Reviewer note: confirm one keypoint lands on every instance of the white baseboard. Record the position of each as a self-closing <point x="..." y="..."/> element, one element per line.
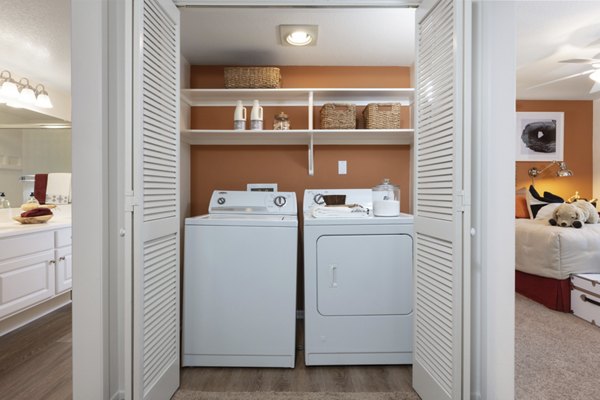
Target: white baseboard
<point x="30" y="314"/>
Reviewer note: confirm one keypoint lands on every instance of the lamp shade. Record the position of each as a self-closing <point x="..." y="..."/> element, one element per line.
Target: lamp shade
<point x="27" y="96"/>
<point x="9" y="90"/>
<point x="43" y="101"/>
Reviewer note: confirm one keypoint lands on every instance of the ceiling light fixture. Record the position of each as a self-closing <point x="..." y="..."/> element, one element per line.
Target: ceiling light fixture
<point x="298" y="35"/>
<point x="22" y="94"/>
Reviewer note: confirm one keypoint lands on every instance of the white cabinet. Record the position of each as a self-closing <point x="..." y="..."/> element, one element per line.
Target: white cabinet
<point x="63" y="258"/>
<point x="308" y="98"/>
<point x="27" y="271"/>
<point x="34" y="267"/>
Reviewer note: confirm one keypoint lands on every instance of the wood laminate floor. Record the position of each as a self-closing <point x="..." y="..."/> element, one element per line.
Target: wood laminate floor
<point x="35" y="364"/>
<point x="35" y="360"/>
<point x="300" y="379"/>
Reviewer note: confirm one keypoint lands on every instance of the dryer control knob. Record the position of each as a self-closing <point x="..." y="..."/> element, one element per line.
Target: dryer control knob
<point x="221" y="200"/>
<point x="280" y="201"/>
<point x="318" y="199"/>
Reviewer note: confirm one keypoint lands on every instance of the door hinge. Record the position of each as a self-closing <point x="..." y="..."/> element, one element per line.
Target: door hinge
<point x="130" y="203"/>
<point x="461" y="201"/>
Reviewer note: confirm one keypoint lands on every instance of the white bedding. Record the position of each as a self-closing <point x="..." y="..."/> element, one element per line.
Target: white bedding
<point x="554" y="252"/>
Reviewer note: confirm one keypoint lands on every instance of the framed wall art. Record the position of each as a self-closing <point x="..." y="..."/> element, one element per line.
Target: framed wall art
<point x="540" y="136"/>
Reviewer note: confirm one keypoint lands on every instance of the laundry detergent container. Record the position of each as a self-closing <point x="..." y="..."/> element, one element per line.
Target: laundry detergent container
<point x="386" y="200"/>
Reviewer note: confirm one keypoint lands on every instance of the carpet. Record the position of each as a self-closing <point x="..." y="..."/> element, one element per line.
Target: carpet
<point x="194" y="395"/>
<point x="556" y="354"/>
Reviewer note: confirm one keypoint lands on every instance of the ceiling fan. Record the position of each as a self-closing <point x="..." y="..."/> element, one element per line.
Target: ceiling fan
<point x="593" y="72"/>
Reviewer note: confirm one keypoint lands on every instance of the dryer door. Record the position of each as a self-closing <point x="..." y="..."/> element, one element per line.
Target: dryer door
<point x="364" y="275"/>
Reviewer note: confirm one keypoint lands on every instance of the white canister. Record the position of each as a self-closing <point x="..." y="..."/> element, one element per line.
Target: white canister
<point x="256" y="117"/>
<point x="239" y="117"/>
<point x="386" y="200"/>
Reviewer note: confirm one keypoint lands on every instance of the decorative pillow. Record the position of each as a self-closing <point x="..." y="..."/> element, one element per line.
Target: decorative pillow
<point x="535" y="201"/>
<point x="521" y="209"/>
<point x="546" y="211"/>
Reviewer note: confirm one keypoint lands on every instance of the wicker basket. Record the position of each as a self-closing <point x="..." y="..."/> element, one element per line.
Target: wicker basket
<point x="252" y="77"/>
<point x="382" y="116"/>
<point x="338" y="116"/>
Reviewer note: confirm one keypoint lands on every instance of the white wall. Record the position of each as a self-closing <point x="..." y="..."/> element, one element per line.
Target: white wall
<point x="11" y="151"/>
<point x="494" y="76"/>
<point x="31" y="151"/>
<point x="596" y="151"/>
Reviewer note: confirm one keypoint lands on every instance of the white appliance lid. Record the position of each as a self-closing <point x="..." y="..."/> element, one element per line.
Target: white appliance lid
<point x="313" y="197"/>
<point x="253" y="203"/>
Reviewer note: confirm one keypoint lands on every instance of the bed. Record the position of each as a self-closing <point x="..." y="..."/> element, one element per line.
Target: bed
<point x="546" y="255"/>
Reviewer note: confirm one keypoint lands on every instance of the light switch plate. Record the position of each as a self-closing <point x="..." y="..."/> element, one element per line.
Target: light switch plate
<point x="342" y="167"/>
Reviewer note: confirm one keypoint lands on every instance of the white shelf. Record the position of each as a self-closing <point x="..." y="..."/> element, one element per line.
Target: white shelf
<point x="296" y="97"/>
<point x="302" y="137"/>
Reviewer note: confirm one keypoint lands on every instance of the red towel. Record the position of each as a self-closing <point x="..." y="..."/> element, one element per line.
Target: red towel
<point x="39" y="187"/>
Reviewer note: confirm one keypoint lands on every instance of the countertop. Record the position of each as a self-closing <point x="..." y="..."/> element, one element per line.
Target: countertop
<point x="10" y="227"/>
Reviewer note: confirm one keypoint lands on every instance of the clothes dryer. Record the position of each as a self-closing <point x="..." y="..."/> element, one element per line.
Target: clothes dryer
<point x="358" y="283"/>
<point x="239" y="281"/>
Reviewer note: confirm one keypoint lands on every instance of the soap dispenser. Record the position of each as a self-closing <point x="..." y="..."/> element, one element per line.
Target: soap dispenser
<point x="256" y="117"/>
<point x="239" y="117"/>
<point x="4" y="201"/>
<point x="32" y="200"/>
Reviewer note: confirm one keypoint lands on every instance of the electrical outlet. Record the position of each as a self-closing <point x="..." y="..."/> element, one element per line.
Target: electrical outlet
<point x="342" y="167"/>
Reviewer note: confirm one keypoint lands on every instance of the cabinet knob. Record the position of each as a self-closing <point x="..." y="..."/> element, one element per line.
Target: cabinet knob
<point x="61" y="258"/>
<point x="51" y="262"/>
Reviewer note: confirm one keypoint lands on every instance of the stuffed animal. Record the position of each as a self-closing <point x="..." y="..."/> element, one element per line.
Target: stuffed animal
<point x="574" y="214"/>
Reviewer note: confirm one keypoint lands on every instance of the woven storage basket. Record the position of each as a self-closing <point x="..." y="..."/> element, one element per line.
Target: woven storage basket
<point x="382" y="116"/>
<point x="338" y="116"/>
<point x="252" y="77"/>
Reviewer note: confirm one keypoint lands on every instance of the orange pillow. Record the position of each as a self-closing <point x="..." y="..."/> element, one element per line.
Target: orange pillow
<point x="521" y="209"/>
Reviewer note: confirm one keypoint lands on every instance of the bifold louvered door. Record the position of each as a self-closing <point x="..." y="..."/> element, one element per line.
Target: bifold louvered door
<point x="156" y="191"/>
<point x="441" y="347"/>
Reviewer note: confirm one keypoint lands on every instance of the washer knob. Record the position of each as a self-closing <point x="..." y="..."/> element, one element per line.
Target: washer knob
<point x="280" y="201"/>
<point x="221" y="200"/>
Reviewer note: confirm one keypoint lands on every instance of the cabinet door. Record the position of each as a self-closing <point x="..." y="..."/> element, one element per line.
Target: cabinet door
<point x="64" y="269"/>
<point x="26" y="281"/>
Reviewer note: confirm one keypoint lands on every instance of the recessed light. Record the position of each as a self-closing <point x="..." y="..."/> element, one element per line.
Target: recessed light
<point x="298" y="38"/>
<point x="298" y="35"/>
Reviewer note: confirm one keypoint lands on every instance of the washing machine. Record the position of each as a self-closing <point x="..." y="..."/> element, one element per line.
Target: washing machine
<point x="239" y="281"/>
<point x="358" y="284"/>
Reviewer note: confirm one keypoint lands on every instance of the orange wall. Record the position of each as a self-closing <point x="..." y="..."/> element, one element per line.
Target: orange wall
<point x="578" y="119"/>
<point x="231" y="167"/>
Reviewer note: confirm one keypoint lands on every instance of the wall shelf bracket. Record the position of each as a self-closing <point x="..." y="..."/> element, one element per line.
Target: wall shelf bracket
<point x="311" y="156"/>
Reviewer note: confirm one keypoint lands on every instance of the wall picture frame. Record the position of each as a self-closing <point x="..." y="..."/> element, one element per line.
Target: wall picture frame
<point x="540" y="136"/>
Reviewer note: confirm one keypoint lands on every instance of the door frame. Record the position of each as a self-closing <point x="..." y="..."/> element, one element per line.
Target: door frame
<point x="95" y="223"/>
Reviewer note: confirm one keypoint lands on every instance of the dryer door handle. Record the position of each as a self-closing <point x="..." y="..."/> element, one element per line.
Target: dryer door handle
<point x="333" y="269"/>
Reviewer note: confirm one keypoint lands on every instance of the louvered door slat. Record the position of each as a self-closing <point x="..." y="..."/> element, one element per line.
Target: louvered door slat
<point x="438" y="367"/>
<point x="156" y="184"/>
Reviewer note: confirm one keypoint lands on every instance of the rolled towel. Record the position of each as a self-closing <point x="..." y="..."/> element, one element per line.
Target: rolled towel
<point x="348" y="211"/>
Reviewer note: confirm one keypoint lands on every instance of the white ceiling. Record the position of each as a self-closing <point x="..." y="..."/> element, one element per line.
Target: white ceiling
<point x="250" y="36"/>
<point x="550" y="31"/>
<point x="35" y="41"/>
<point x="36" y="35"/>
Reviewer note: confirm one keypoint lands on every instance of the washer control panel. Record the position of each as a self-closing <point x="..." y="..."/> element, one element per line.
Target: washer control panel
<point x="245" y="202"/>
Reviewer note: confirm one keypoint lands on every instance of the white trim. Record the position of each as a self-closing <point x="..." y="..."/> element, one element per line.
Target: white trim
<point x="90" y="184"/>
<point x="24" y="317"/>
<point x="493" y="178"/>
<point x="297" y="3"/>
<point x="596" y="149"/>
